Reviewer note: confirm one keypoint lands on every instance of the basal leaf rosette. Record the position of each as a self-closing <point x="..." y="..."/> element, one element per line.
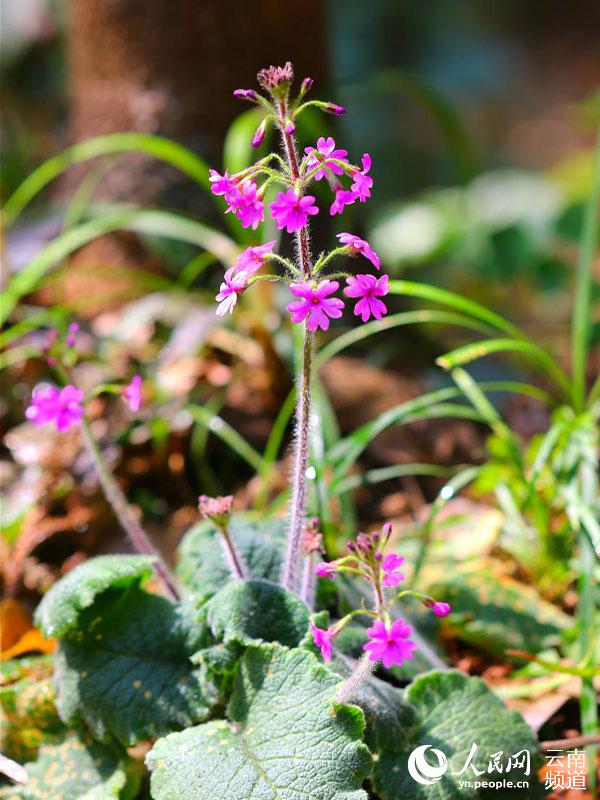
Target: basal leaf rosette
<point x="283" y="740"/>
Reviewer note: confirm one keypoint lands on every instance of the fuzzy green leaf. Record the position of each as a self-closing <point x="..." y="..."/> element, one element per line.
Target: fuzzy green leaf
<point x="453" y="711"/>
<point x="78" y="768"/>
<point x="254" y="611"/>
<point x="284" y="741"/>
<point x="202" y="566"/>
<point x="126" y="670"/>
<point x="497" y="614"/>
<point x="60" y="608"/>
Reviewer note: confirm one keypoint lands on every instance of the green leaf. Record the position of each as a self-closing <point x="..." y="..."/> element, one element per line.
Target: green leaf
<point x="256" y="611"/>
<point x="125" y="669"/>
<point x="166" y="150"/>
<point x="78" y="768"/>
<point x="284" y="740"/>
<point x="498" y="613"/>
<point x="453" y="711"/>
<point x="61" y="607"/>
<point x="202" y="566"/>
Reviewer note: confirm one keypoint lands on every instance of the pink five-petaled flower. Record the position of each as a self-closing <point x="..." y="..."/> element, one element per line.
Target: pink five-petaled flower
<point x="322" y="155"/>
<point x="221" y="184"/>
<point x="61" y="406"/>
<point x="248" y="206"/>
<point x="326" y="569"/>
<point x="133" y="393"/>
<point x="233" y="284"/>
<point x="291" y="211"/>
<point x="343" y="198"/>
<point x="362" y="182"/>
<point x="251" y="259"/>
<point x="369" y="289"/>
<point x="323" y="640"/>
<point x="390" y="568"/>
<point x="315" y="304"/>
<point x="358" y="245"/>
<point x="441" y="609"/>
<point x="390" y="644"/>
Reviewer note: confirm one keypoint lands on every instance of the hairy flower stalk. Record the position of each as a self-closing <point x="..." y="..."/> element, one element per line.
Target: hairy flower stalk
<point x="364" y="668"/>
<point x="124" y="514"/>
<point x="218" y="510"/>
<point x="303" y="387"/>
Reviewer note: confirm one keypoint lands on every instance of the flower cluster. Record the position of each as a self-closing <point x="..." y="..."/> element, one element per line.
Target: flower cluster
<point x="293" y="206"/>
<point x="389" y="639"/>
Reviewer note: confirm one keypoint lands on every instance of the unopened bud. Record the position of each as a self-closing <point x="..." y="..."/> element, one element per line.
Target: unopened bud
<point x="289" y="127"/>
<point x="260" y="134"/>
<point x="217" y="509"/>
<point x="333" y="108"/>
<point x="277" y="80"/>
<point x="245" y="94"/>
<point x="306" y="86"/>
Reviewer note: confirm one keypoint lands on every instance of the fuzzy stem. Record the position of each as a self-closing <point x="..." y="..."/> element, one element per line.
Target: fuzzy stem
<point x="233" y="558"/>
<point x="300" y="463"/>
<point x="303" y="396"/>
<point x="123" y="513"/>
<point x="364" y="669"/>
<point x="309" y="583"/>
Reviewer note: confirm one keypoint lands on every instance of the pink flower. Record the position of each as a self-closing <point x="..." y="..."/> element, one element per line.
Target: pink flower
<point x="343" y="198"/>
<point x="362" y="182"/>
<point x="392" y="644"/>
<point x="315" y="304"/>
<point x="326" y="569"/>
<point x="221" y="184"/>
<point x="233" y="284"/>
<point x="390" y="567"/>
<point x="133" y="393"/>
<point x="441" y="609"/>
<point x="369" y="289"/>
<point x="70" y="338"/>
<point x="358" y="245"/>
<point x="323" y="154"/>
<point x="291" y="211"/>
<point x="247" y="205"/>
<point x="252" y="258"/>
<point x="61" y="406"/>
<point x="323" y="640"/>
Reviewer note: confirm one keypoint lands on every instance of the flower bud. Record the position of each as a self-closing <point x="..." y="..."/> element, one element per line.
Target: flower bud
<point x="277" y="80"/>
<point x="245" y="94"/>
<point x="289" y="127"/>
<point x="260" y="134"/>
<point x="217" y="509"/>
<point x="306" y="86"/>
<point x="333" y="108"/>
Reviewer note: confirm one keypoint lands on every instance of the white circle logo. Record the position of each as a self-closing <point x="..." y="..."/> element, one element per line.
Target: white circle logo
<point x="421" y="770"/>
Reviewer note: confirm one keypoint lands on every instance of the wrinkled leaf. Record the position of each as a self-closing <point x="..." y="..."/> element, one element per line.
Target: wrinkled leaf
<point x="498" y="613"/>
<point x="255" y="611"/>
<point x="284" y="740"/>
<point x="453" y="711"/>
<point x="125" y="670"/>
<point x="60" y="608"/>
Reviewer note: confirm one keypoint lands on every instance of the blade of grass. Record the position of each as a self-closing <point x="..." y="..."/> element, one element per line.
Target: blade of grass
<point x="374" y="476"/>
<point x="472" y="352"/>
<point x="582" y="312"/>
<point x="445" y="298"/>
<point x="227" y="434"/>
<point x="396" y="320"/>
<point x="154" y="222"/>
<point x="158" y="147"/>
